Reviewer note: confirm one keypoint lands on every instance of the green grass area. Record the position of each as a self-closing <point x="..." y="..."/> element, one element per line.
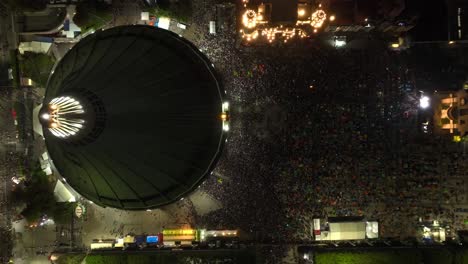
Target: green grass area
<point x="239" y="256"/>
<point x="181" y="17"/>
<point x="400" y="256"/>
<point x="111" y="259"/>
<point x="96" y="21"/>
<point x="404" y="256"/>
<point x="390" y="257"/>
<point x="36" y="66"/>
<point x="92" y="16"/>
<point x="71" y="259"/>
<point x="180" y="11"/>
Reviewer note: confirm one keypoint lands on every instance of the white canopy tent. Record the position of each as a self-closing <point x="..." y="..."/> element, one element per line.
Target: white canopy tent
<point x="347" y="231"/>
<point x="62" y="194"/>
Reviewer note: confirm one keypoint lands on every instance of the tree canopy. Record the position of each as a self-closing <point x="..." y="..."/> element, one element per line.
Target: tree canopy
<point x="92" y="15"/>
<point x="36" y="66"/>
<point x="179" y="10"/>
<point x="38" y="196"/>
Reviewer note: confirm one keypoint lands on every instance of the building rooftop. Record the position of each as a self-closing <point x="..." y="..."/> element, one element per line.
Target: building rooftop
<point x="156" y="132"/>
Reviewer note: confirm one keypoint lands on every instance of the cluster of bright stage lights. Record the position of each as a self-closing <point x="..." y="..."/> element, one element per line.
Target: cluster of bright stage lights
<point x="64" y="116"/>
<point x="251" y="20"/>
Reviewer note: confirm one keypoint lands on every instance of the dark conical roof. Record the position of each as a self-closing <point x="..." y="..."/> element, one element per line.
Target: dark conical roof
<point x="160" y="102"/>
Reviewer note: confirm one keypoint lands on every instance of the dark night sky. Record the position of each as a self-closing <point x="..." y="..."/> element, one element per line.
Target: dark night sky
<point x="432" y="22"/>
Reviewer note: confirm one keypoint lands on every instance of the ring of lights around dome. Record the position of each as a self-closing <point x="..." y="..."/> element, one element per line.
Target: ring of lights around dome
<point x="64" y="117"/>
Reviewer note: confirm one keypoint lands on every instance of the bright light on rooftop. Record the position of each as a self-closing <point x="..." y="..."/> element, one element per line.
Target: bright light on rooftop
<point x="424" y="102"/>
<point x="62" y="122"/>
<point x="340" y="43"/>
<point x="225" y="106"/>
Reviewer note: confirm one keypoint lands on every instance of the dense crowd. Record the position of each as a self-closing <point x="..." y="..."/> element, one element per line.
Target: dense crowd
<point x="320" y="132"/>
<point x="9" y="162"/>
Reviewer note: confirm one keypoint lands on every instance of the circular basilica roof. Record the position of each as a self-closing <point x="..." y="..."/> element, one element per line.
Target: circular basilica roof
<point x="131" y="117"/>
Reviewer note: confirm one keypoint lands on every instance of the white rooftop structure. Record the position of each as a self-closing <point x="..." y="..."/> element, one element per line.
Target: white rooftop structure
<point x="47" y="170"/>
<point x="164" y="22"/>
<point x="347" y="231"/>
<point x="34" y="46"/>
<point x="62" y="194"/>
<point x="372" y="229"/>
<point x="212" y="27"/>
<point x="145" y="16"/>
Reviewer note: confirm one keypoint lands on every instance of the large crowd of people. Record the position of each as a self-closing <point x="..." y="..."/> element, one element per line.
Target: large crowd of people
<point x="9" y="168"/>
<point x="317" y="132"/>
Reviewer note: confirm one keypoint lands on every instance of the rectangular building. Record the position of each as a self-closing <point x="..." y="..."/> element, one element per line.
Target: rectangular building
<point x="457" y="19"/>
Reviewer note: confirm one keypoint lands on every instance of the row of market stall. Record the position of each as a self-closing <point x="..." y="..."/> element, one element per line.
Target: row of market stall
<point x="169" y="238"/>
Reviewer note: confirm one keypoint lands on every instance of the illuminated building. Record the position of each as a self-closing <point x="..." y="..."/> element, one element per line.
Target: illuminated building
<point x="367" y="15"/>
<point x="274" y="19"/>
<point x="451" y="113"/>
<point x="344" y="228"/>
<point x="457" y="19"/>
<point x="134" y="117"/>
<point x="433" y="232"/>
